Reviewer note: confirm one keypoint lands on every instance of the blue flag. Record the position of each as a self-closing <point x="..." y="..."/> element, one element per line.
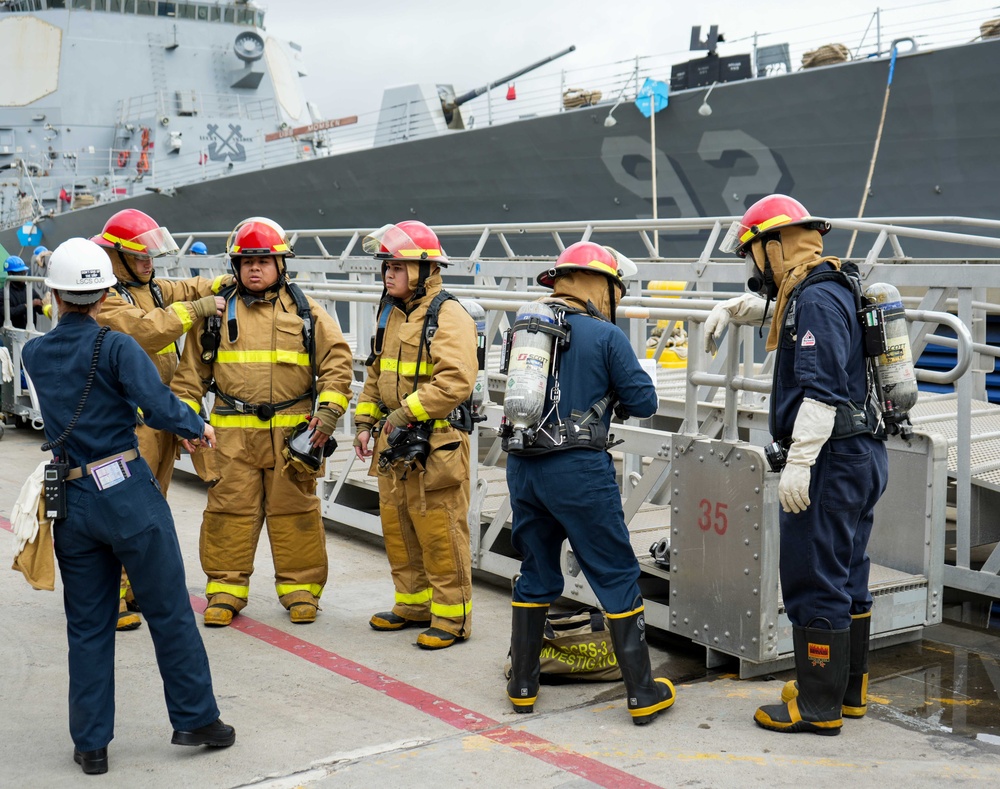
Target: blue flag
<point x="652" y="97"/>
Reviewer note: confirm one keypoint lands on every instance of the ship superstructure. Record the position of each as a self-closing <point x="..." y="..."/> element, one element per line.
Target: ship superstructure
<point x="110" y="99"/>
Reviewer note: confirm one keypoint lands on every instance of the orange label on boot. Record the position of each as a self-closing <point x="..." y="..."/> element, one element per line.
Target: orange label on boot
<point x="819" y="654"/>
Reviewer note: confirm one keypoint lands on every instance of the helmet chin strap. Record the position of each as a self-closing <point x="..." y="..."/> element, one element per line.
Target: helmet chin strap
<point x="136" y="282"/>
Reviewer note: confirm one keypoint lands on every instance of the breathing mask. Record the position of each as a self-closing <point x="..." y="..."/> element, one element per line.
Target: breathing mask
<point x="301" y="454"/>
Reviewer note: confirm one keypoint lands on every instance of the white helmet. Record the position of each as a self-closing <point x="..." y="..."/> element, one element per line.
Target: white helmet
<point x="80" y="271"/>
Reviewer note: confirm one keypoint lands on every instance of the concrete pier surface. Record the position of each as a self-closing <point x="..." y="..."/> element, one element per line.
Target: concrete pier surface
<point x="335" y="703"/>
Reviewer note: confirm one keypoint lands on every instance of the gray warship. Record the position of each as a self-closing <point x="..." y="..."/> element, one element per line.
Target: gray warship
<point x="193" y="113"/>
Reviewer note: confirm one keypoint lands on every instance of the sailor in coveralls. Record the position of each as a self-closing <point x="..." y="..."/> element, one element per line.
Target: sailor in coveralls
<point x="569" y="492"/>
<point x="837" y="465"/>
<point x="115" y="514"/>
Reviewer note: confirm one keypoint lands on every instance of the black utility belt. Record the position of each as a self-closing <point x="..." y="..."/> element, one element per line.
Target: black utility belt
<point x="566" y="435"/>
<point x="263" y="411"/>
<point x="855" y="420"/>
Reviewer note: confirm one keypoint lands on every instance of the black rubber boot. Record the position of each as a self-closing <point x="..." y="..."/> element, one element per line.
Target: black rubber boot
<point x="647" y="697"/>
<point x="527" y="627"/>
<point x="856" y="696"/>
<point x="822" y="660"/>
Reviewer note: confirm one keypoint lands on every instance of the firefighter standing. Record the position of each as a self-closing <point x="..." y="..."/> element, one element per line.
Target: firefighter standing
<point x="414" y="383"/>
<point x="155" y="313"/>
<point x="114" y="513"/>
<point x="276" y="362"/>
<point x="836" y="467"/>
<point x="565" y="489"/>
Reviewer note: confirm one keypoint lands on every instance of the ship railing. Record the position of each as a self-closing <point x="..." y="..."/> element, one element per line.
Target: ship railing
<point x="724" y="396"/>
<point x="153" y="107"/>
<point x="497" y="264"/>
<point x="866" y="36"/>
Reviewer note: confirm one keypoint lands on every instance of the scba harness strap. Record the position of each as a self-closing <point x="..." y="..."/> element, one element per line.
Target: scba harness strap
<point x="582" y="429"/>
<point x="211" y="339"/>
<point x="851" y="418"/>
<point x="461" y="417"/>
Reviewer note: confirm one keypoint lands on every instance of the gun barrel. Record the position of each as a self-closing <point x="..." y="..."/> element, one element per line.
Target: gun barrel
<point x="482" y="89"/>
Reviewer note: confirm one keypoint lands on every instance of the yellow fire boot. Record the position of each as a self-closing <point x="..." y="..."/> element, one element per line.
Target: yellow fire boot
<point x="127" y="620"/>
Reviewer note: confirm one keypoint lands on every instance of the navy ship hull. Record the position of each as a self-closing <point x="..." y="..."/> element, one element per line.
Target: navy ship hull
<point x="810" y="134"/>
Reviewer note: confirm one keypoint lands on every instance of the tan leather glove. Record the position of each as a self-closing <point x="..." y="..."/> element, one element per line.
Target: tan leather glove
<point x="398" y="418"/>
<point x="327" y="416"/>
<point x="204" y="306"/>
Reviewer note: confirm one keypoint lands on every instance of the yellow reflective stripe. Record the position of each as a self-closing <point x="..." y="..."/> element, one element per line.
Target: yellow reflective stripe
<point x="274" y="248"/>
<point x="172" y="348"/>
<point x="193" y="404"/>
<point x="214" y="587"/>
<point x="333" y="397"/>
<point x="451" y="611"/>
<point x="767" y="224"/>
<point x="182" y="312"/>
<point x="415" y="253"/>
<point x="416" y="598"/>
<point x="595" y="264"/>
<point x="217" y="283"/>
<point x="122" y="592"/>
<point x="441" y="423"/>
<point x="528" y="605"/>
<point x="262" y="357"/>
<point x="126" y="244"/>
<point x="369" y="409"/>
<point x="414" y="404"/>
<point x="314" y="589"/>
<point x="47" y="310"/>
<point x="250" y="421"/>
<point x="634" y="611"/>
<point x="406" y="368"/>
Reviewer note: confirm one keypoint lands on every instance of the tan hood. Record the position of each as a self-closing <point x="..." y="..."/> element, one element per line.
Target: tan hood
<point x="579" y="287"/>
<point x="121" y="272"/>
<point x="798" y="252"/>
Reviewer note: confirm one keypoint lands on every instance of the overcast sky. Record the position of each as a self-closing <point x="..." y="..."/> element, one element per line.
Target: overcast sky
<point x="354" y="50"/>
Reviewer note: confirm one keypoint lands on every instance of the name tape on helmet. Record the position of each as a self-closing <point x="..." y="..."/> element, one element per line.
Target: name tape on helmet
<point x="88" y="276"/>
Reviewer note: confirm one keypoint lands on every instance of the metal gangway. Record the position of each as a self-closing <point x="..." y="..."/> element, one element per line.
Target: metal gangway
<point x="693" y="478"/>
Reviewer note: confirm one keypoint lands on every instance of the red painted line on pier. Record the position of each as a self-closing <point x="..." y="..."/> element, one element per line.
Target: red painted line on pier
<point x="435" y="706"/>
<point x="442" y="709"/>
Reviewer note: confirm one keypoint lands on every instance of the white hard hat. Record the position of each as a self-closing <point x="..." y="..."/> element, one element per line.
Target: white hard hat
<point x="80" y="271"/>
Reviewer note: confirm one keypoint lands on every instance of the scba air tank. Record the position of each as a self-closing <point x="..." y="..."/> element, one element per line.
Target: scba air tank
<point x="528" y="366"/>
<point x="480" y="393"/>
<point x="894" y="367"/>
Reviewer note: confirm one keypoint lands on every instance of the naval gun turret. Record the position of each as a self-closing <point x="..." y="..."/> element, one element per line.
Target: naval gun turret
<point x="413" y="111"/>
<point x="450" y="103"/>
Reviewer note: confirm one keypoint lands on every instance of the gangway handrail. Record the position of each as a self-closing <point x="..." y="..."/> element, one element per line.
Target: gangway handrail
<point x="963" y="343"/>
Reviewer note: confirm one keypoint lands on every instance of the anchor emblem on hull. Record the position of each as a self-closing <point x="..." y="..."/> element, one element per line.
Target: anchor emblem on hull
<point x="231" y="147"/>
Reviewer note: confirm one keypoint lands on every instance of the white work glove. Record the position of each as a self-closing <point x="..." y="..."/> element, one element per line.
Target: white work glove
<point x="6" y="364"/>
<point x="747" y="308"/>
<point x="24" y="517"/>
<point x="813" y="427"/>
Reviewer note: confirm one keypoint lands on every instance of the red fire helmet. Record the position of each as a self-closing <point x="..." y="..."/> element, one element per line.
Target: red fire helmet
<point x="135" y="233"/>
<point x="409" y="240"/>
<point x="771" y="213"/>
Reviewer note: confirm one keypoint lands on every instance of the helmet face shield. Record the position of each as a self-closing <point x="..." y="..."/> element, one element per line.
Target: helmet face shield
<point x="731" y="242"/>
<point x="151" y="244"/>
<point x="410" y="240"/>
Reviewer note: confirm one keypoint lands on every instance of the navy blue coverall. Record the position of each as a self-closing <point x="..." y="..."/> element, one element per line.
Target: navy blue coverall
<point x="824" y="561"/>
<point x="127" y="524"/>
<point x="572" y="493"/>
